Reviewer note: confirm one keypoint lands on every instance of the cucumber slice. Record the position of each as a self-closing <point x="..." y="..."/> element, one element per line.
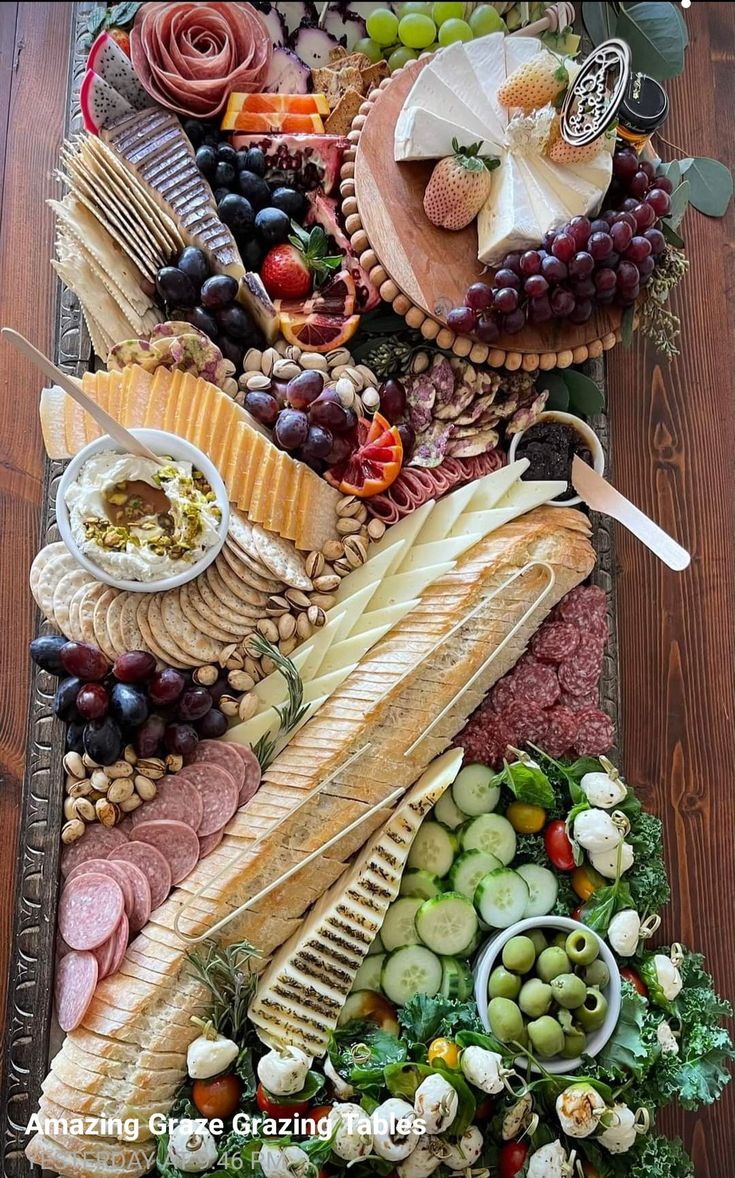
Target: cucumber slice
<point x="456" y="979"/>
<point x="501" y="898"/>
<point x="399" y="925"/>
<point x="474" y="944"/>
<point x="376" y="946"/>
<point x="447" y="923"/>
<point x="543" y="888"/>
<point x="420" y="883"/>
<point x="448" y="812"/>
<point x="492" y="833"/>
<point x="472" y="791"/>
<point x="433" y="848"/>
<point x="409" y="971"/>
<point x="368" y="975"/>
<point x="469" y="868"/>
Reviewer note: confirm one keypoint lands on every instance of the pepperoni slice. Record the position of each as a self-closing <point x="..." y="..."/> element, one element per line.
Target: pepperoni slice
<point x="176" y="841"/>
<point x="536" y="683"/>
<point x="89" y="910"/>
<point x="252" y="772"/>
<point x="76" y="979"/>
<point x="96" y="843"/>
<point x="176" y="798"/>
<point x="114" y="870"/>
<point x="218" y="792"/>
<point x="152" y="863"/>
<point x="224" y="755"/>
<point x="595" y="733"/>
<point x="561" y="730"/>
<point x="555" y="641"/>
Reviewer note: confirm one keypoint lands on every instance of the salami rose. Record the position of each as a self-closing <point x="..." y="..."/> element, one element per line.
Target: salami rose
<point x="189" y="57"/>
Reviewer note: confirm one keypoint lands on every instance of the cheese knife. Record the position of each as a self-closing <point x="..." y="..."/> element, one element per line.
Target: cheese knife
<point x="598" y="494"/>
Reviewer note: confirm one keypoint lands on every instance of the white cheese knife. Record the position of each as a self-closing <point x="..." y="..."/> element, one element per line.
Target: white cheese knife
<point x="600" y="496"/>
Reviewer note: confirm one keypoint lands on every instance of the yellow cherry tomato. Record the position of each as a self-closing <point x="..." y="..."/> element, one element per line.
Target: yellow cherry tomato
<point x="525" y="818"/>
<point x="586" y="881"/>
<point x="446" y="1051"/>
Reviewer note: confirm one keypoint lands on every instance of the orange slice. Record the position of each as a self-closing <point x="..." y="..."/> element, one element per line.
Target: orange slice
<point x="295" y="104"/>
<point x="317" y="332"/>
<point x="374" y="464"/>
<point x="273" y="121"/>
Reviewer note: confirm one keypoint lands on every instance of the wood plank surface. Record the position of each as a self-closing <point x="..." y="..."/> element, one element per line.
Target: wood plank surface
<point x="673" y="431"/>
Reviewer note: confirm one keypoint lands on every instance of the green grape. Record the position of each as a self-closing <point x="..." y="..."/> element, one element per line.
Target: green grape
<point x="447" y="10"/>
<point x="417" y="31"/>
<point x="455" y="30"/>
<point x="382" y="26"/>
<point x="400" y="57"/>
<point x="486" y="19"/>
<point x="370" y="48"/>
<point x="423" y="7"/>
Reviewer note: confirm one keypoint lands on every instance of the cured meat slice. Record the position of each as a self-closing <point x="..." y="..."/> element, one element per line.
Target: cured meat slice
<point x="76" y="979"/>
<point x="555" y="641"/>
<point x="526" y="722"/>
<point x="485" y="738"/>
<point x="586" y="608"/>
<point x="96" y="843"/>
<point x="177" y="799"/>
<point x="579" y="674"/>
<point x="502" y="694"/>
<point x="223" y="754"/>
<point x="89" y="910"/>
<point x="110" y="954"/>
<point x="595" y="733"/>
<point x="141" y="910"/>
<point x="561" y="729"/>
<point x="152" y="863"/>
<point x="535" y="683"/>
<point x="114" y="870"/>
<point x="218" y="792"/>
<point x="176" y="841"/>
<point x="416" y="485"/>
<point x="210" y="842"/>
<point x="252" y="772"/>
<point x="579" y="703"/>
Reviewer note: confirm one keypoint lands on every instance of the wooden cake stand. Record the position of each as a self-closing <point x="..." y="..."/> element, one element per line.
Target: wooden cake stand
<point x="424" y="271"/>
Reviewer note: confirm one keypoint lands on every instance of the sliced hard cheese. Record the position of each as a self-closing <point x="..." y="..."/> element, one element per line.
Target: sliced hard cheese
<point x="406" y="585"/>
<point x="301" y="994"/>
<point x="450" y="549"/>
<point x="406" y="530"/>
<point x="491" y="488"/>
<point x="389" y="616"/>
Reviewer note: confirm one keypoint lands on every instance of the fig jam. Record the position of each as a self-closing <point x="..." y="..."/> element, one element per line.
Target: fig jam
<point x="550" y="447"/>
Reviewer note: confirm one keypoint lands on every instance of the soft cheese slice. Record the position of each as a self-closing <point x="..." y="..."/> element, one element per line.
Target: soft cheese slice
<point x="577" y="194"/>
<point x="486" y="58"/>
<point x="450" y="67"/>
<point x="509" y="219"/>
<point x="432" y="94"/>
<point x="520" y="50"/>
<point x="421" y="134"/>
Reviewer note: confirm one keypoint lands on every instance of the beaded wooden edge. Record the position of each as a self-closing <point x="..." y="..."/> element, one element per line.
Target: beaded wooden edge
<point x="417" y="317"/>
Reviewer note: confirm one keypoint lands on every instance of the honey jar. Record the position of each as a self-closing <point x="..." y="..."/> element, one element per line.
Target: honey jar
<point x="643" y="110"/>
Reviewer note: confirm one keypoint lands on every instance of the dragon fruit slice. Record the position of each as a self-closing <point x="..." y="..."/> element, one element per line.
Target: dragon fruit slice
<point x="287" y="74"/>
<point x="273" y="21"/>
<point x="323" y="211"/>
<point x="345" y="24"/>
<point x="101" y="105"/>
<point x="110" y="63"/>
<point x="301" y="160"/>
<point x="313" y="45"/>
<point x="296" y="13"/>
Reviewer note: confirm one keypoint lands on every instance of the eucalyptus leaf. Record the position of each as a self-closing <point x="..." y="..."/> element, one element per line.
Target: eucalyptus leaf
<point x="558" y="392"/>
<point x="672" y="169"/>
<point x="679" y="204"/>
<point x="671" y="236"/>
<point x="626" y="324"/>
<point x="682" y="20"/>
<point x="655" y="36"/>
<point x="710" y="185"/>
<point x="599" y="20"/>
<point x="584" y="395"/>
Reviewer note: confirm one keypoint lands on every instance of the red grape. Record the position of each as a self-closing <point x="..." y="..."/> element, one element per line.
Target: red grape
<point x="627" y="206"/>
<point x="639" y="248"/>
<point x="664" y="183"/>
<point x="657" y="240"/>
<point x="605" y="280"/>
<point x="341" y="449"/>
<point x="584" y="288"/>
<point x="562" y="302"/>
<point x="599" y="225"/>
<point x="181" y="738"/>
<point x="535" y="286"/>
<point x="581" y="265"/>
<point x="626" y="218"/>
<point x="213" y="725"/>
<point x="600" y="244"/>
<point x="408" y="438"/>
<point x="659" y="201"/>
<point x="512" y="262"/>
<point x="645" y="216"/>
<point x="304" y="388"/>
<point x="564" y="247"/>
<point x="393" y="399"/>
<point x="487" y="330"/>
<point x="133" y="666"/>
<point x="328" y="410"/>
<point x="530" y="262"/>
<point x="639" y="185"/>
<point x="539" y="310"/>
<point x="166" y="686"/>
<point x="505" y="277"/>
<point x="462" y="319"/>
<point x="514" y="322"/>
<point x="622" y="235"/>
<point x="194" y="703"/>
<point x="92" y="701"/>
<point x="579" y="229"/>
<point x="627" y="276"/>
<point x="625" y="164"/>
<point x="263" y="406"/>
<point x="553" y="269"/>
<point x="479" y="296"/>
<point x="506" y="300"/>
<point x="292" y="426"/>
<point x="84" y="661"/>
<point x="148" y="738"/>
<point x="318" y="444"/>
<point x="646" y="267"/>
<point x="647" y="168"/>
<point x="581" y="311"/>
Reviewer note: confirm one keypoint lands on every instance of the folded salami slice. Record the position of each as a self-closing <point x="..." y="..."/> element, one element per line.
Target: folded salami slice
<point x="176" y="799"/>
<point x="251" y="764"/>
<point x="152" y="863"/>
<point x="76" y="979"/>
<point x="218" y="791"/>
<point x="176" y="841"/>
<point x="110" y="954"/>
<point x="96" y="843"/>
<point x="114" y="870"/>
<point x="89" y="910"/>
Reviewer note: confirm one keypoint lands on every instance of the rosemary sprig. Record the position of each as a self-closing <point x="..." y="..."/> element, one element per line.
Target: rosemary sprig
<point x="292" y="713"/>
<point x="225" y="971"/>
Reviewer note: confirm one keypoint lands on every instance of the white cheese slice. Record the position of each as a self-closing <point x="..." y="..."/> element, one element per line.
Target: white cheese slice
<point x="487" y="490"/>
<point x="573" y="191"/>
<point x="450" y="67"/>
<point x="402" y="585"/>
<point x="406" y="530"/>
<point x="432" y="94"/>
<point x="520" y="50"/>
<point x="421" y="134"/>
<point x="450" y="548"/>
<point x="373" y="571"/>
<point x="389" y="615"/>
<point x="532" y="492"/>
<point x="486" y="58"/>
<point x="350" y="650"/>
<point x="509" y="218"/>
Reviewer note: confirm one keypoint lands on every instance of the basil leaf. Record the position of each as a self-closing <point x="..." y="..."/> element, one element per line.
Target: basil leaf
<point x="710" y="185"/>
<point x="557" y="389"/>
<point x="312" y="1085"/>
<point x="599" y="20"/>
<point x="679" y="204"/>
<point x="585" y="396"/>
<point x="467" y="1103"/>
<point x="402" y="1079"/>
<point x="604" y="903"/>
<point x="655" y="36"/>
<point x="529" y="785"/>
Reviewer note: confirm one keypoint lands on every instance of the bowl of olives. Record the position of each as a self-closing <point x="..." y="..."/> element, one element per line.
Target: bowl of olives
<point x="552" y="985"/>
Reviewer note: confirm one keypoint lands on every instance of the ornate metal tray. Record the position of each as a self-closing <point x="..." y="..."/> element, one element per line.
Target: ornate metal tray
<point x="27" y="1041"/>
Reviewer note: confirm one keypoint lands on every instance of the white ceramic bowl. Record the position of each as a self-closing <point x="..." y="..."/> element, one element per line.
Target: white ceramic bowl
<point x="161" y="443"/>
<point x="487" y="959"/>
<point x="585" y="431"/>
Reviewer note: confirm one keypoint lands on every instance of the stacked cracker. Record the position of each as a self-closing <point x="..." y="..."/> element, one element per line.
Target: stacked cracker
<point x="346" y="81"/>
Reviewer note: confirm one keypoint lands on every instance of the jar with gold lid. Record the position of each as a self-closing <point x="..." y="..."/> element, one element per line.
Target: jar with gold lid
<point x="644" y="108"/>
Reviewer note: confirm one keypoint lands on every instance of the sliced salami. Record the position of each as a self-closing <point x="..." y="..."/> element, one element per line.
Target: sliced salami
<point x="210" y="842"/>
<point x="114" y="870"/>
<point x="141" y="911"/>
<point x="152" y="863"/>
<point x="586" y="608"/>
<point x="536" y="683"/>
<point x="561" y="730"/>
<point x="555" y="641"/>
<point x="579" y="703"/>
<point x="218" y="791"/>
<point x="484" y="739"/>
<point x="110" y="954"/>
<point x="76" y="979"/>
<point x="526" y="722"/>
<point x="176" y="841"/>
<point x="594" y="734"/>
<point x="581" y="673"/>
<point x="89" y="910"/>
<point x="177" y="799"/>
<point x="96" y="843"/>
<point x="224" y="755"/>
<point x="252" y="772"/>
<point x="502" y="694"/>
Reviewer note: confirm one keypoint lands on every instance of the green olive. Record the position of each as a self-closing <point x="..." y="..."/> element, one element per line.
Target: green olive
<point x="568" y="990"/>
<point x="519" y="954"/>
<point x="539" y="940"/>
<point x="597" y="974"/>
<point x="575" y="1042"/>
<point x="506" y="1020"/>
<point x="551" y="962"/>
<point x="535" y="997"/>
<point x="546" y="1036"/>
<point x="591" y="1014"/>
<point x="582" y="946"/>
<point x="503" y="984"/>
<point x="560" y="940"/>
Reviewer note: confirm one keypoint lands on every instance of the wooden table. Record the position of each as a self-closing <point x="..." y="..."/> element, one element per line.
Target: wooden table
<point x="673" y="430"/>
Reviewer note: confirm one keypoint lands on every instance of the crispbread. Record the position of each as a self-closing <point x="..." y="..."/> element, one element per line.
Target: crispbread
<point x="194" y="608"/>
<point x="64" y="591"/>
<point x="183" y="633"/>
<point x="99" y="622"/>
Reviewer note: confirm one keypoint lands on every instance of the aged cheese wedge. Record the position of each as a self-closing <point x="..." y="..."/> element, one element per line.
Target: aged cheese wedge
<point x="305" y="976"/>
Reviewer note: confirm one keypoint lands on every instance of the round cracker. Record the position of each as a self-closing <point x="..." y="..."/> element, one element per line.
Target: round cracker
<point x="75" y="629"/>
<point x="132" y="634"/>
<point x="87" y="606"/>
<point x="51" y="573"/>
<point x="114" y="629"/>
<point x="195" y="612"/>
<point x="241" y="590"/>
<point x="241" y="530"/>
<point x="281" y="557"/>
<point x="65" y="589"/>
<point x="223" y="603"/>
<point x="150" y="629"/>
<point x="192" y="639"/>
<point x="163" y="638"/>
<point x="40" y="561"/>
<point x="99" y="622"/>
<point x="244" y="567"/>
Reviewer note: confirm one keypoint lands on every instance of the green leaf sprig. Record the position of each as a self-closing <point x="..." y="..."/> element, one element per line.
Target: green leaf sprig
<point x="290" y="714"/>
<point x="225" y="971"/>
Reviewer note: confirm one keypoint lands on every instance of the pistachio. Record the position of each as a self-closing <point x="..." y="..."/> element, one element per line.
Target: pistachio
<point x="248" y="706"/>
<point x="268" y="359"/>
<point x="376" y="529"/>
<point x="71" y="781"/>
<point x="240" y="681"/>
<point x="119" y="769"/>
<point x="227" y="653"/>
<point x="370" y="400"/>
<point x="314" y="360"/>
<point x="333" y="549"/>
<point x="327" y="583"/>
<point x="354" y="376"/>
<point x="287" y="645"/>
<point x="70" y="809"/>
<point x="348" y="507"/>
<point x="120" y="790"/>
<point x="228" y="705"/>
<point x="252" y="361"/>
<point x="72" y="831"/>
<point x="293" y="352"/>
<point x="174" y="762"/>
<point x="355" y="551"/>
<point x="276" y="605"/>
<point x="130" y="754"/>
<point x="131" y="803"/>
<point x="347" y="527"/>
<point x="297" y="598"/>
<point x="346" y="392"/>
<point x="106" y="812"/>
<point x="268" y="666"/>
<point x="338" y="357"/>
<point x="74" y="765"/>
<point x="286" y="626"/>
<point x="369" y="379"/>
<point x="286" y="369"/>
<point x="88" y="762"/>
<point x="145" y="788"/>
<point x="316" y="616"/>
<point x="235" y="661"/>
<point x="79" y="789"/>
<point x="85" y="810"/>
<point x="281" y="346"/>
<point x="253" y="667"/>
<point x="206" y="676"/>
<point x="314" y="565"/>
<point x="342" y="567"/>
<point x="151" y="767"/>
<point x="420" y="362"/>
<point x="324" y="601"/>
<point x="100" y="781"/>
<point x="268" y="629"/>
<point x="229" y="386"/>
<point x="257" y="382"/>
<point x="303" y="627"/>
<point x="95" y="795"/>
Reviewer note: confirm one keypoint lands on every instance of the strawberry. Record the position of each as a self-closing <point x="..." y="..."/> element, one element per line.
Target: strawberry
<point x="289" y="271"/>
<point x="535" y="83"/>
<point x="458" y="187"/>
<point x="561" y="152"/>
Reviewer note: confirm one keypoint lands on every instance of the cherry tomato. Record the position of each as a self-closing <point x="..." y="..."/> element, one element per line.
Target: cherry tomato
<point x="525" y="818"/>
<point x="577" y="913"/>
<point x="218" y="1097"/>
<point x="635" y="979"/>
<point x="485" y="1109"/>
<point x="590" y="1171"/>
<point x="317" y="1113"/>
<point x="511" y="1158"/>
<point x="586" y="881"/>
<point x="274" y="1108"/>
<point x="445" y="1051"/>
<point x="558" y="847"/>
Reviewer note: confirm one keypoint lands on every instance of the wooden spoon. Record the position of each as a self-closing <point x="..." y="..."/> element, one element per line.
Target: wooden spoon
<point x="71" y="386"/>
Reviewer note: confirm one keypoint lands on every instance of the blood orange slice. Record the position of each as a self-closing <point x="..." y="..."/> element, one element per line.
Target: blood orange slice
<point x="317" y="332"/>
<point x="375" y="462"/>
<point x="335" y="298"/>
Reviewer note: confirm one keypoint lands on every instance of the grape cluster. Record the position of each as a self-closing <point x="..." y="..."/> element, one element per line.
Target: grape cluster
<point x="583" y="265"/>
<point x="129" y="702"/>
<point x="420" y="26"/>
<point x="308" y="418"/>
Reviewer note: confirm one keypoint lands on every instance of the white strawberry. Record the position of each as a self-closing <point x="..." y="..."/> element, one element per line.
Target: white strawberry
<point x="561" y="152"/>
<point x="534" y="83"/>
<point x="458" y="187"/>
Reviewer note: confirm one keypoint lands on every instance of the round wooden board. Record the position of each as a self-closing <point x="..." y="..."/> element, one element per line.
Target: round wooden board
<point x="424" y="271"/>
